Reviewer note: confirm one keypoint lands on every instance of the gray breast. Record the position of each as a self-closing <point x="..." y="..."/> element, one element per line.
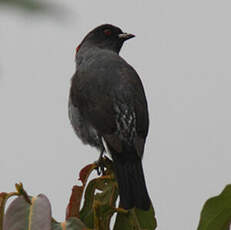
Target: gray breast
<point x="83" y="128"/>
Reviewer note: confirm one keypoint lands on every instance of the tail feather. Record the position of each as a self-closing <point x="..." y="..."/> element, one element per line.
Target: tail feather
<point x="132" y="187"/>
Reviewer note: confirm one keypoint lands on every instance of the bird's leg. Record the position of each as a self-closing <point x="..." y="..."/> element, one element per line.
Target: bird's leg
<point x="100" y="162"/>
<point x="105" y="146"/>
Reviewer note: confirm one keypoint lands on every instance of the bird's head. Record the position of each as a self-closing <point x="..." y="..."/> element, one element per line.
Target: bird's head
<point x="106" y="37"/>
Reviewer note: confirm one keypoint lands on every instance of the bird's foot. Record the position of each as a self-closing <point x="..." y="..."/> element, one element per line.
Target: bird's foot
<point x="100" y="169"/>
<point x="103" y="165"/>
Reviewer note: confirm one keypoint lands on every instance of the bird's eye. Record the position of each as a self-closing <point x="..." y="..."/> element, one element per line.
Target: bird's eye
<point x="107" y="32"/>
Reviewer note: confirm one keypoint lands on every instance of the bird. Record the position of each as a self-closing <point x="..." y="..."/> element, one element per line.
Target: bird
<point x="108" y="110"/>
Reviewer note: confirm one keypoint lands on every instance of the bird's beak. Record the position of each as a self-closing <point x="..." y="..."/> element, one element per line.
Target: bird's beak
<point x="125" y="36"/>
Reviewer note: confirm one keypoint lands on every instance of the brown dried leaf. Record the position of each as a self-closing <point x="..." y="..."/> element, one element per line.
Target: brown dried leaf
<point x="85" y="172"/>
<point x="73" y="207"/>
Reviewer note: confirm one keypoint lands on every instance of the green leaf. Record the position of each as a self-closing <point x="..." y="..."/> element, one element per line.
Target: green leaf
<point x="87" y="212"/>
<point x="105" y="202"/>
<point x="136" y="219"/>
<point x="216" y="213"/>
<point x="22" y="215"/>
<point x="98" y="208"/>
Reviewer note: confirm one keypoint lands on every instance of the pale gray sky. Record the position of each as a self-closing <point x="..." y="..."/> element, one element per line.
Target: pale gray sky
<point x="182" y="52"/>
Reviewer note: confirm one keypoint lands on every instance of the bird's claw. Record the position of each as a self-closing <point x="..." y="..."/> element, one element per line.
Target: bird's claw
<point x="100" y="167"/>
